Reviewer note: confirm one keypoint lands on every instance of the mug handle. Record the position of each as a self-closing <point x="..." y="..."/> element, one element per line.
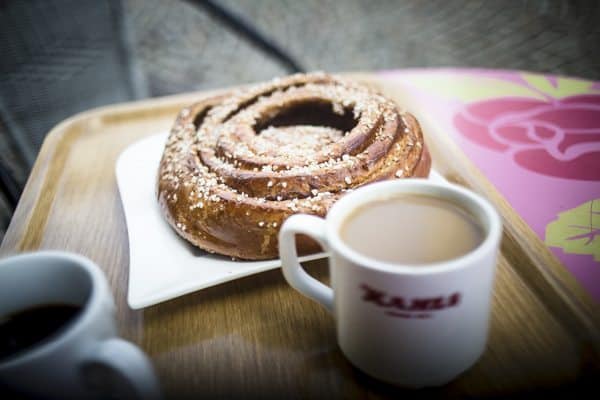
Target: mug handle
<point x="132" y="368"/>
<point x="292" y="270"/>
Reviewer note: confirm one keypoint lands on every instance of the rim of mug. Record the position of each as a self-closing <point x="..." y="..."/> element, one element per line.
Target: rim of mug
<point x="381" y="190"/>
<point x="87" y="312"/>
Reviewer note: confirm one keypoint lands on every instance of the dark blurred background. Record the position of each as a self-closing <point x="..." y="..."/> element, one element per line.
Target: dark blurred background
<point x="59" y="57"/>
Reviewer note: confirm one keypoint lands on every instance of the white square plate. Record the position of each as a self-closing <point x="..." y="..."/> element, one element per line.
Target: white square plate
<point x="162" y="265"/>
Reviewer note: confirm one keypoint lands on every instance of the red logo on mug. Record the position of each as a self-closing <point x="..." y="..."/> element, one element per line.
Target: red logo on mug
<point x="416" y="307"/>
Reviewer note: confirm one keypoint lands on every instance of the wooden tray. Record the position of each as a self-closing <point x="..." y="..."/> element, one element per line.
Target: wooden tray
<point x="256" y="336"/>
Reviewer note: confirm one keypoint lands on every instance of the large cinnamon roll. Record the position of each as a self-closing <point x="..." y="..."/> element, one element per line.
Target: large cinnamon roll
<point x="237" y="165"/>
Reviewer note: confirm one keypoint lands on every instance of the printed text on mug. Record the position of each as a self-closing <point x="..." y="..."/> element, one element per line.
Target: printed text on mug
<point x="400" y="306"/>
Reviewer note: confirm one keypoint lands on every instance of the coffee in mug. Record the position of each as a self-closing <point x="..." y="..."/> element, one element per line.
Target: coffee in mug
<point x="411" y="229"/>
<point x="27" y="328"/>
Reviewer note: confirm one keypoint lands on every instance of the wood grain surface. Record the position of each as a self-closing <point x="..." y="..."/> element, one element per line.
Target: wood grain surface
<point x="256" y="336"/>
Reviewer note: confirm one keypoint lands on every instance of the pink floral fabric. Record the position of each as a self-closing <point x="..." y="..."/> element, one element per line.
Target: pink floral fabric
<point x="558" y="138"/>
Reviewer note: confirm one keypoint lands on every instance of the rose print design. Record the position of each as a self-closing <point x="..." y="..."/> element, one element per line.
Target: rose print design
<point x="557" y="137"/>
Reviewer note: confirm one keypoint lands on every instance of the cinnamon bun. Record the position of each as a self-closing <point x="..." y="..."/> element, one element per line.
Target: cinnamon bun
<point x="237" y="165"/>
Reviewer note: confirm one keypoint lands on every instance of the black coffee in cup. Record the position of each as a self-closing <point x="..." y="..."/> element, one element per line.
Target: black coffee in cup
<point x="24" y="329"/>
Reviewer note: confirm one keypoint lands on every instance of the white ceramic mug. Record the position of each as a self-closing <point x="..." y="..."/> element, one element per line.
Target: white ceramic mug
<point x="412" y="326"/>
<point x="85" y="359"/>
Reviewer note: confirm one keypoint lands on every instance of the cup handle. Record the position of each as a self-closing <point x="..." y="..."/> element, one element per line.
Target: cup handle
<point x="292" y="270"/>
<point x="118" y="367"/>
